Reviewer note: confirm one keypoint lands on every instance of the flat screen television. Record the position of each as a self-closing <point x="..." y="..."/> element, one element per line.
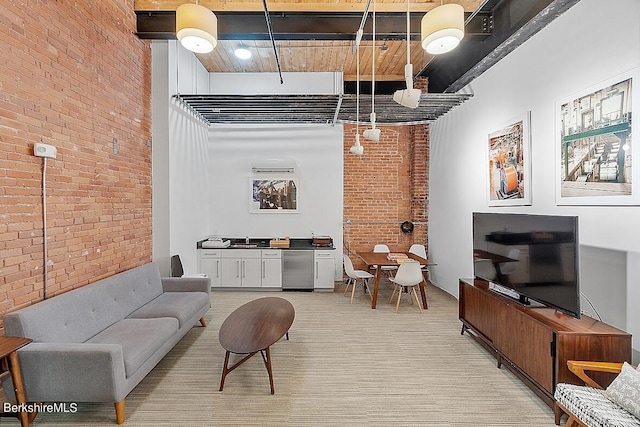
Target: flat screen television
<point x="529" y="257"/>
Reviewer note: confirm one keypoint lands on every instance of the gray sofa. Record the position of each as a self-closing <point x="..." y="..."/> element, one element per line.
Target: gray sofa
<point x="97" y="342"/>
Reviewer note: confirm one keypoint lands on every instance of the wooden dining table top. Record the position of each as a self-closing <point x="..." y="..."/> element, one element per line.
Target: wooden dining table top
<point x="381" y="259"/>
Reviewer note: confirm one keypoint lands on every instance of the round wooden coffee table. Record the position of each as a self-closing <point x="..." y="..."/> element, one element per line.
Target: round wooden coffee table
<point x="253" y="328"/>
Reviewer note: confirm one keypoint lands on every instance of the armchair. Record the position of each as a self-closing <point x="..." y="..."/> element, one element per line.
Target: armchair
<point x="591" y="405"/>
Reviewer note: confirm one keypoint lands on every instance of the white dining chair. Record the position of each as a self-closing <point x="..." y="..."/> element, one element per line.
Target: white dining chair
<point x="381" y="248"/>
<point x="409" y="276"/>
<point x="420" y="251"/>
<point x="354" y="276"/>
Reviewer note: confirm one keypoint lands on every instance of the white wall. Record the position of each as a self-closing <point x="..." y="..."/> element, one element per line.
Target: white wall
<point x="590" y="43"/>
<point x="201" y="174"/>
<point x="317" y="152"/>
<point x="315" y="149"/>
<point x="180" y="167"/>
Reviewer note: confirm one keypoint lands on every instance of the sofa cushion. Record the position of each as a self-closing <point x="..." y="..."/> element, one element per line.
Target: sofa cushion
<point x="593" y="407"/>
<point x="180" y="305"/>
<point x="139" y="338"/>
<point x="77" y="315"/>
<point x="625" y="389"/>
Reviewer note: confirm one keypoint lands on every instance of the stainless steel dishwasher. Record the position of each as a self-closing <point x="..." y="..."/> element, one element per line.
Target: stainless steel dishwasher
<point x="297" y="270"/>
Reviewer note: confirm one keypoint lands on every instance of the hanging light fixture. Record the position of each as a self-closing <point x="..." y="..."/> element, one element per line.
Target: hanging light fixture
<point x="196" y="28"/>
<point x="442" y="28"/>
<point x="356" y="148"/>
<point x="408" y="97"/>
<point x="373" y="134"/>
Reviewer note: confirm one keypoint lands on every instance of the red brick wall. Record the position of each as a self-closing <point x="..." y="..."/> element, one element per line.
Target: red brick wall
<point x="72" y="75"/>
<point x="384" y="187"/>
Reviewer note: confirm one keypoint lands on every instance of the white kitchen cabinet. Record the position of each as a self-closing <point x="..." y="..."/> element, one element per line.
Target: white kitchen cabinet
<point x="241" y="268"/>
<point x="324" y="270"/>
<point x="209" y="263"/>
<point x="272" y="268"/>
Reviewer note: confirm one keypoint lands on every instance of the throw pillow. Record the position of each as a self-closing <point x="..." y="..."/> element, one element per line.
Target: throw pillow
<point x="625" y="389"/>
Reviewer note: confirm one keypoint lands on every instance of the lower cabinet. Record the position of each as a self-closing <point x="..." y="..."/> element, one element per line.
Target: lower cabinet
<point x="210" y="263"/>
<point x="259" y="268"/>
<point x="324" y="270"/>
<point x="272" y="268"/>
<point x="241" y="268"/>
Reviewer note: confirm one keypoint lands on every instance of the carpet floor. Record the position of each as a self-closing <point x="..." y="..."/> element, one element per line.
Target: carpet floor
<point x="344" y="364"/>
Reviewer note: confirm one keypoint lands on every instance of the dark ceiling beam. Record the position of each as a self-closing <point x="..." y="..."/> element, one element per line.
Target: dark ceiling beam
<point x="514" y="22"/>
<point x="160" y="25"/>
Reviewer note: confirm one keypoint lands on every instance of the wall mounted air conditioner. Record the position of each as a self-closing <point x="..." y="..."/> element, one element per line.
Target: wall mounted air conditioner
<point x="274" y="166"/>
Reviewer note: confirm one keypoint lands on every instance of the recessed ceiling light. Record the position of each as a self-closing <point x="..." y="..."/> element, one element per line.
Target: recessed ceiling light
<point x="242" y="53"/>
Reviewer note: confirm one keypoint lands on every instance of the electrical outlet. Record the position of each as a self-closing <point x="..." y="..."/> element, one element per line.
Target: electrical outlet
<point x="44" y="150"/>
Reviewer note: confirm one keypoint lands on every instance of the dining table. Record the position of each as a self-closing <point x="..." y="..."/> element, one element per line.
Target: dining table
<point x="381" y="259"/>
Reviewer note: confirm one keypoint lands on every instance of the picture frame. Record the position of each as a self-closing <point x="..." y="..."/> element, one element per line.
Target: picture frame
<point x="593" y="144"/>
<point x="508" y="163"/>
<point x="274" y="194"/>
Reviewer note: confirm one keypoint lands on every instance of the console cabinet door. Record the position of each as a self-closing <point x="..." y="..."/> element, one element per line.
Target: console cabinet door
<point x="474" y="307"/>
<point x="527" y="343"/>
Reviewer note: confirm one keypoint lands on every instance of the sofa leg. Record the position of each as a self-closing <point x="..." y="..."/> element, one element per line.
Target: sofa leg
<point x="203" y="322"/>
<point x="120" y="412"/>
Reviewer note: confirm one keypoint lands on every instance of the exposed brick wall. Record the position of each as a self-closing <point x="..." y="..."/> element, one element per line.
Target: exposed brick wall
<point x="72" y="75"/>
<point x="384" y="187"/>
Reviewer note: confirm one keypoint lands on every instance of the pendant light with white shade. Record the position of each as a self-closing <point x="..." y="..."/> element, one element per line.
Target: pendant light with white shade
<point x="442" y="28"/>
<point x="356" y="148"/>
<point x="196" y="27"/>
<point x="408" y="97"/>
<point x="373" y="134"/>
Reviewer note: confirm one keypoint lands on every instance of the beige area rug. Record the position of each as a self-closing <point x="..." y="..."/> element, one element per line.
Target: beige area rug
<point x="345" y="364"/>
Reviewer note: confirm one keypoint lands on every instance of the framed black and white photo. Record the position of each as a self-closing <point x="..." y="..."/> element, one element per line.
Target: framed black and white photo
<point x="274" y="194"/>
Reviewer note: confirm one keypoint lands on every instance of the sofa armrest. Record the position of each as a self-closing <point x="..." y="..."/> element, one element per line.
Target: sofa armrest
<point x="186" y="284"/>
<point x="579" y="367"/>
<point x="64" y="372"/>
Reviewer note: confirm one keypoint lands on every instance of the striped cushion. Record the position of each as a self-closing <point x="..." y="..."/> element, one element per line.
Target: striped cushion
<point x="592" y="407"/>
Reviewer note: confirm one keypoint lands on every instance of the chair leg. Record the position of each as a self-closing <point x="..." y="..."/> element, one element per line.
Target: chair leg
<point x="366" y="285"/>
<point x="415" y="294"/>
<point x="353" y="289"/>
<point x="571" y="422"/>
<point x="399" y="296"/>
<point x="393" y="293"/>
<point x="346" y="288"/>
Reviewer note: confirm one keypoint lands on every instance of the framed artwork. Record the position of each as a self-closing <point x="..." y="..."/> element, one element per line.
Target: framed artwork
<point x="274" y="194"/>
<point x="509" y="163"/>
<point x="594" y="145"/>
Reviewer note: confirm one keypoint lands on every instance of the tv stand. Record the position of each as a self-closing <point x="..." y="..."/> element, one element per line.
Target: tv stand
<point x="535" y="343"/>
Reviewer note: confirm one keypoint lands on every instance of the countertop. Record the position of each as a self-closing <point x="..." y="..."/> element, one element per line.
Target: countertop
<point x="263" y="243"/>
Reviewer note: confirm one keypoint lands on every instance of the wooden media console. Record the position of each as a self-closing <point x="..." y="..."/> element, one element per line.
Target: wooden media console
<point x="535" y="343"/>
